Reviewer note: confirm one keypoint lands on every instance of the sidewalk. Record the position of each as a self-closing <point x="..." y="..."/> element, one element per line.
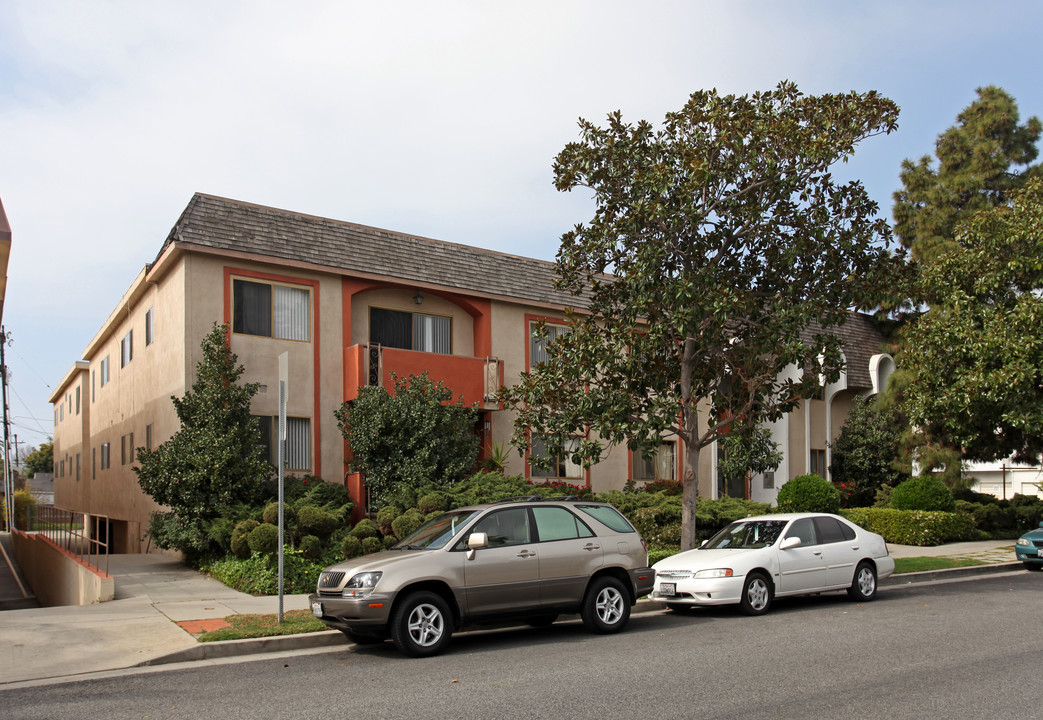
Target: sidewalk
<point x="159" y="603"/>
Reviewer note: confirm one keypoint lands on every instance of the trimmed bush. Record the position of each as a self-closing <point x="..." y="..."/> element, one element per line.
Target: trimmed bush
<point x="364" y="529"/>
<point x="240" y="546"/>
<point x="385" y="516"/>
<point x="351" y="547"/>
<point x="808" y="493"/>
<point x="313" y="520"/>
<point x="372" y="545"/>
<point x="925" y="492"/>
<point x="311" y="547"/>
<point x="264" y="538"/>
<point x="407" y="522"/>
<point x="913" y="527"/>
<point x="431" y="502"/>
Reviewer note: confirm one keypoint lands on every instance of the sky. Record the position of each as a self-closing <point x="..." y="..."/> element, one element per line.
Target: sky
<point x="439" y="119"/>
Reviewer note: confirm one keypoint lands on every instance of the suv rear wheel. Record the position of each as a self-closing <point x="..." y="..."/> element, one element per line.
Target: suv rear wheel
<point x="606" y="606"/>
<point x="420" y="626"/>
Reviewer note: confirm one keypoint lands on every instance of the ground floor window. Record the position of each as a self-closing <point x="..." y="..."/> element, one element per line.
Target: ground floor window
<point x="546" y="466"/>
<point x="656" y="464"/>
<point x="298" y="441"/>
<point x="817" y="464"/>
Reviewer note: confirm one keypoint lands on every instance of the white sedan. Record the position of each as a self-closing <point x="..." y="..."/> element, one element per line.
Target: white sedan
<point x="754" y="560"/>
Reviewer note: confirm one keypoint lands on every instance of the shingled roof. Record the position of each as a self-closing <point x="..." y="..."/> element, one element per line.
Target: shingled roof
<point x="230" y="225"/>
<point x="235" y="226"/>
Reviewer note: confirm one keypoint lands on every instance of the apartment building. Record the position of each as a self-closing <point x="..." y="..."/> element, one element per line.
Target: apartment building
<point x="350" y="305"/>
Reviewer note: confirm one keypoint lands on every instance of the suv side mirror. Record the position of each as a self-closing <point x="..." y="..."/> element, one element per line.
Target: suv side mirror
<point x="476" y="541"/>
<point x="790" y="542"/>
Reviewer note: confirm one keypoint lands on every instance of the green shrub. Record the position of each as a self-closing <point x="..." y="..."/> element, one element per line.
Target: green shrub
<point x="407" y="522"/>
<point x="808" y="493"/>
<point x="924" y="492"/>
<point x="372" y="545"/>
<point x="431" y="502"/>
<point x="259" y="574"/>
<point x="390" y="541"/>
<point x="264" y="538"/>
<point x="239" y="545"/>
<point x="385" y="516"/>
<point x="351" y="547"/>
<point x="271" y="513"/>
<point x="364" y="529"/>
<point x="311" y="547"/>
<point x="913" y="527"/>
<point x="313" y="520"/>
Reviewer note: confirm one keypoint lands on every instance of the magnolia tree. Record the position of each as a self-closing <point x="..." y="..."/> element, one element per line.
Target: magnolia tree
<point x="721" y="252"/>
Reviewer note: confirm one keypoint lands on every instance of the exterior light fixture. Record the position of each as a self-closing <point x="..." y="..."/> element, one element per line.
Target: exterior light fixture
<point x="418" y="298"/>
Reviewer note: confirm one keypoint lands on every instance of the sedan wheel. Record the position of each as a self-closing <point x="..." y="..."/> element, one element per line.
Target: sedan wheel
<point x="420" y="625"/>
<point x="756" y="594"/>
<point x="863" y="586"/>
<point x="606" y="607"/>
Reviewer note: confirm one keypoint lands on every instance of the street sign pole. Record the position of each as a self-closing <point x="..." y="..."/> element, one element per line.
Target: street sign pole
<point x="283" y="382"/>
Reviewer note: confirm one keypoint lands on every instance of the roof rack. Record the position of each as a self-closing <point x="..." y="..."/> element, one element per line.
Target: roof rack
<point x="537" y="498"/>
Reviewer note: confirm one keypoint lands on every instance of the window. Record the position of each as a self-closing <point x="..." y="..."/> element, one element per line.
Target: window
<point x="127" y="349"/>
<point x="656" y="465"/>
<point x="803" y="529"/>
<point x="77" y="401"/>
<point x="817" y="465"/>
<point x="411" y="331"/>
<point x="61" y="411"/>
<point x="77" y="467"/>
<point x="94" y="378"/>
<point x="127" y="449"/>
<point x="548" y="466"/>
<point x="61" y="465"/>
<point x="298" y="441"/>
<point x="769" y="480"/>
<point x="505" y="527"/>
<point x="555" y="523"/>
<point x="538" y="345"/>
<point x="148" y="437"/>
<point x="149" y="326"/>
<point x="831" y="530"/>
<point x="105" y="371"/>
<point x="105" y="456"/>
<point x="270" y="310"/>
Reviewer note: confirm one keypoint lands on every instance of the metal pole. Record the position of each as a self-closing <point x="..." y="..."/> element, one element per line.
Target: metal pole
<point x="283" y="379"/>
<point x="8" y="478"/>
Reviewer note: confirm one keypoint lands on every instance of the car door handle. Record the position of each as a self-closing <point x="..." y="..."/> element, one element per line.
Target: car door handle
<point x="591" y="546"/>
<point x="526" y="554"/>
<point x="816" y="552"/>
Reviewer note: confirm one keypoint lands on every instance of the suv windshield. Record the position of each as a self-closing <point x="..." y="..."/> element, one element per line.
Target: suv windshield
<point x="436" y="532"/>
<point x="744" y="535"/>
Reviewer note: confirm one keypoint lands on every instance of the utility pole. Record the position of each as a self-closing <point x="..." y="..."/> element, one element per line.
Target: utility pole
<point x="8" y="477"/>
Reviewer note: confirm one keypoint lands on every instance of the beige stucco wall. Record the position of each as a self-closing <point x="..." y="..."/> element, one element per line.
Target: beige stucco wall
<point x="56" y="577"/>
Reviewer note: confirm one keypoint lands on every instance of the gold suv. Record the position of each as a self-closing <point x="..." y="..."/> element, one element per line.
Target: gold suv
<point x="528" y="558"/>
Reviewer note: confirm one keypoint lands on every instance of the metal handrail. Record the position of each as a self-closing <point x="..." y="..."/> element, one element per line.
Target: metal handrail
<point x="69" y="530"/>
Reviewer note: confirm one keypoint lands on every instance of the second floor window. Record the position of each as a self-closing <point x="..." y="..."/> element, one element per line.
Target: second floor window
<point x="538" y="344"/>
<point x="271" y="310"/>
<point x="127" y="349"/>
<point x="411" y="331"/>
<point x="104" y="371"/>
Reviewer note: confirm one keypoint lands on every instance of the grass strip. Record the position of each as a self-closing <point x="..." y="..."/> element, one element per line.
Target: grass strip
<point x="922" y="564"/>
<point x="254" y="626"/>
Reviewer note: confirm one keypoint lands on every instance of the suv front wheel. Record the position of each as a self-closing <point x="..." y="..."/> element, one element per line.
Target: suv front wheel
<point x="420" y="626"/>
<point x="606" y="606"/>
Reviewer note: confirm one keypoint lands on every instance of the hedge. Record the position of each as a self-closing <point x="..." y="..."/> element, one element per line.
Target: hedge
<point x="913" y="527"/>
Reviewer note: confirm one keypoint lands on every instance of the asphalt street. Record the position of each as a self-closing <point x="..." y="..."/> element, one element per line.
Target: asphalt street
<point x="964" y="648"/>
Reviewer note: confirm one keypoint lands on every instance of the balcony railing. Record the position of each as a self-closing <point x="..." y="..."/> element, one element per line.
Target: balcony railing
<point x="476" y="379"/>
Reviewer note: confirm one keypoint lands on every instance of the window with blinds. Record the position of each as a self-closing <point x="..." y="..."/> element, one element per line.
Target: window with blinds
<point x="545" y="465"/>
<point x="656" y="464"/>
<point x="538" y="343"/>
<point x="411" y="331"/>
<point x="271" y="310"/>
<point x="298" y="441"/>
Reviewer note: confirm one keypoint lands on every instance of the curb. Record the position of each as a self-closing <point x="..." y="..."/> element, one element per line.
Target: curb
<point x="330" y="638"/>
<point x="926" y="576"/>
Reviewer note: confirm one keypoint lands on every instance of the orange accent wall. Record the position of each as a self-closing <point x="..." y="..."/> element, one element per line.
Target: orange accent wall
<point x="316" y="356"/>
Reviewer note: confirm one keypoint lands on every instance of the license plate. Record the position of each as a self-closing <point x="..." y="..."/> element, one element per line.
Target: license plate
<point x="316" y="609"/>
<point x="1040" y="552"/>
<point x="668" y="589"/>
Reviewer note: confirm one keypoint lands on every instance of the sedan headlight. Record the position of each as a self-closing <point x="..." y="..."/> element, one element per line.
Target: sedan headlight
<point x="714" y="573"/>
<point x="1023" y="541"/>
<point x="361" y="585"/>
